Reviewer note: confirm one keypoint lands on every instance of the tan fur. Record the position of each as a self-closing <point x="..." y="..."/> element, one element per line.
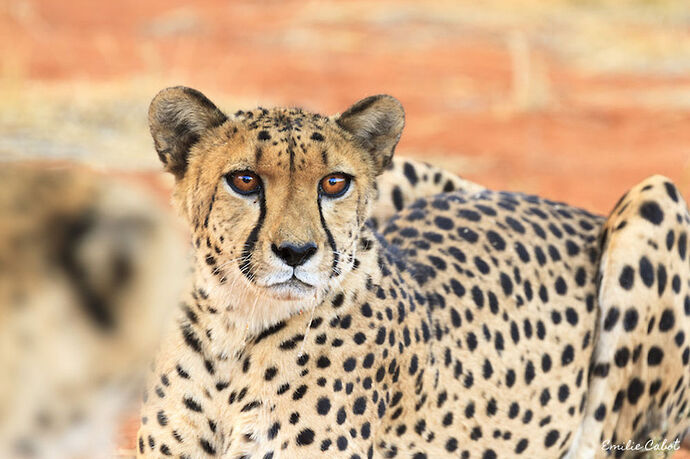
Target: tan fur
<point x="68" y="375"/>
<point x="463" y="325"/>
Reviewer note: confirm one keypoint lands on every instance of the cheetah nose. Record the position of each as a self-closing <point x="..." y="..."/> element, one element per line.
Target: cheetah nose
<point x="294" y="255"/>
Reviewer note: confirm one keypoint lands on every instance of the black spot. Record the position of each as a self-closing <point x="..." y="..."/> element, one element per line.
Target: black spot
<point x="506" y="284"/>
<point x="478" y="297"/>
<point x="269" y="331"/>
<point x="611" y="318"/>
<point x="646" y="271"/>
<point x="551" y="438"/>
<point x="191" y="338"/>
<point x="349" y="364"/>
<point x="455" y="318"/>
<point x="675" y="283"/>
<point x="514" y="410"/>
<point x="600" y="413"/>
<point x="270" y="373"/>
<point x="630" y="319"/>
<point x="338" y="300"/>
<point x="317" y="136"/>
<point x="618" y="402"/>
<point x="410" y="173"/>
<point x="572" y="248"/>
<point x="544" y="397"/>
<point x="470" y="215"/>
<point x="651" y="211"/>
<point x="457" y="288"/>
<point x="568" y="355"/>
<point x="529" y="372"/>
<point x="521" y="446"/>
<point x="601" y="370"/>
<point x="342" y="443"/>
<point x="571" y="316"/>
<point x="326" y="444"/>
<point x="471" y="341"/>
<point x="580" y="277"/>
<point x="654" y="387"/>
<point x="670" y="239"/>
<point x="250" y="406"/>
<point x="522" y="252"/>
<point x="444" y="223"/>
<point x="541" y="330"/>
<point x="560" y="286"/>
<point x="621" y="357"/>
<point x="299" y="392"/>
<point x="496" y="240"/>
<point x="682" y="245"/>
<point x="264" y="135"/>
<point x="481" y="265"/>
<point x="273" y="431"/>
<point x="397" y="198"/>
<point x="546" y="363"/>
<point x="627" y="277"/>
<point x="207" y="447"/>
<point x="191" y="404"/>
<point x="305" y="437"/>
<point x="635" y="390"/>
<point x="667" y="320"/>
<point x="671" y="190"/>
<point x="487" y="369"/>
<point x="359" y="406"/>
<point x="515" y="225"/>
<point x="323" y="406"/>
<point x="655" y="356"/>
<point x="661" y="276"/>
<point x="468" y="235"/>
<point x="563" y="393"/>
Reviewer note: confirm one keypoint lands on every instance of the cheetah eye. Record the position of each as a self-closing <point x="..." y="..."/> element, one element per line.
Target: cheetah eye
<point x="244" y="182"/>
<point x="334" y="185"/>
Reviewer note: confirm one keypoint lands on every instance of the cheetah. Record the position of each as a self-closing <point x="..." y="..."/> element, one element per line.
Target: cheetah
<point x="468" y="323"/>
<point x="86" y="266"/>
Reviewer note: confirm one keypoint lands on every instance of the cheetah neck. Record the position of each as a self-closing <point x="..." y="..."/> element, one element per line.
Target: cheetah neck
<point x="239" y="313"/>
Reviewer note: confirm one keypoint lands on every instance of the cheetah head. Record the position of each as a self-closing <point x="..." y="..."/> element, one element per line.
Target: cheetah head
<point x="275" y="198"/>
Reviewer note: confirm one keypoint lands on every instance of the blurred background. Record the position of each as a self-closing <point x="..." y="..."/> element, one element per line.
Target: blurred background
<point x="573" y="100"/>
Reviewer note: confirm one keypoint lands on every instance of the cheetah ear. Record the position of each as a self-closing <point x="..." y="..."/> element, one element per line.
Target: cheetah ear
<point x="177" y="118"/>
<point x="376" y="124"/>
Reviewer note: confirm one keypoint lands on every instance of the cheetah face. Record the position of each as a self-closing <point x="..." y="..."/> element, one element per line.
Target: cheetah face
<point x="275" y="198"/>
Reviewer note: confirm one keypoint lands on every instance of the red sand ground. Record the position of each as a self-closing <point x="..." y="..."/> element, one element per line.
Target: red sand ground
<point x="581" y="137"/>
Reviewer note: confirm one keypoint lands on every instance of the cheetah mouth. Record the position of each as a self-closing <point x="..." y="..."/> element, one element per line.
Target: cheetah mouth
<point x="291" y="289"/>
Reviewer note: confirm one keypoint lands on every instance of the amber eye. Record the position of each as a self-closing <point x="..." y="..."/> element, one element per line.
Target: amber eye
<point x="244" y="182"/>
<point x="334" y="185"/>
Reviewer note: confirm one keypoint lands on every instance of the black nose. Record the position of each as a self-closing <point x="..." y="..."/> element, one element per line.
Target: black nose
<point x="294" y="255"/>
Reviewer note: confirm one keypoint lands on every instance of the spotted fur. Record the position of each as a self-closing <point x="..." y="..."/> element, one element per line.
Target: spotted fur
<point x="463" y="326"/>
<point x="87" y="274"/>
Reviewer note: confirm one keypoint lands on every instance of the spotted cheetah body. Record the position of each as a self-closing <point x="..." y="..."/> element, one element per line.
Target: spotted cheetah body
<point x="465" y="327"/>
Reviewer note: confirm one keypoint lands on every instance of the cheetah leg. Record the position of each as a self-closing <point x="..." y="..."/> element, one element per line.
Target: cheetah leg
<point x="640" y="375"/>
<point x="408" y="180"/>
